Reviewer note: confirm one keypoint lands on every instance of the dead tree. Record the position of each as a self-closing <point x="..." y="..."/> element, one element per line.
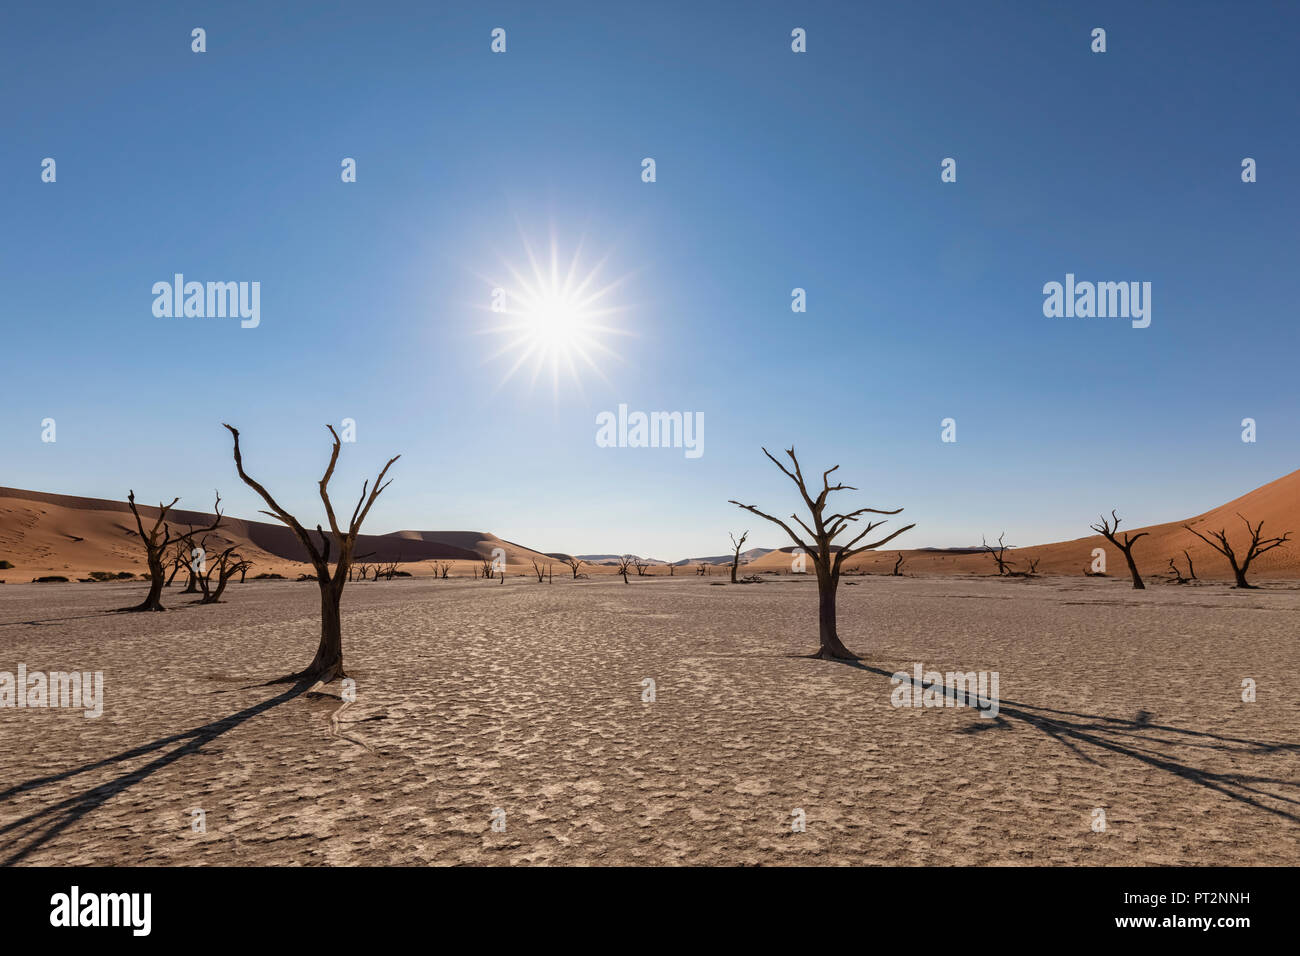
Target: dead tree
<point x="671" y="568"/>
<point x="827" y="558"/>
<point x="735" y="553"/>
<point x="1177" y="575"/>
<point x="623" y="565"/>
<point x="441" y="569"/>
<point x="180" y="559"/>
<point x="1110" y="532"/>
<point x="196" y="566"/>
<point x="486" y="566"/>
<point x="157" y="540"/>
<point x="539" y="570"/>
<point x="1256" y="547"/>
<point x="1191" y="569"/>
<point x="640" y="565"/>
<point x="999" y="554"/>
<point x="227" y="564"/>
<point x="702" y="569"/>
<point x="327" y="665"/>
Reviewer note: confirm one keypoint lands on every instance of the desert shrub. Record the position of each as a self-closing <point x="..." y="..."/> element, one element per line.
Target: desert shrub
<point x="306" y="577"/>
<point x="50" y="579"/>
<point x="101" y="576"/>
<point x="267" y="576"/>
<point x="5" y="565"/>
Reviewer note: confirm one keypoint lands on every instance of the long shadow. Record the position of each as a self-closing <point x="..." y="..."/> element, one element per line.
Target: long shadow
<point x="1131" y="737"/>
<point x="45" y="824"/>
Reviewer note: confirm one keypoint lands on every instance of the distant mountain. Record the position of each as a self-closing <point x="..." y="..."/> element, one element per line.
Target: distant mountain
<point x="615" y="558"/>
<point x="753" y="554"/>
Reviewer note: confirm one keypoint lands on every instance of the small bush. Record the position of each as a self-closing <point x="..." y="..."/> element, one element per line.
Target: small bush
<point x="5" y="565"/>
<point x="50" y="579"/>
<point x="264" y="576"/>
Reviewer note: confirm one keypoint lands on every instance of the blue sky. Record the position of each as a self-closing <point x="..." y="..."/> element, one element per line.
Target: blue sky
<point x="775" y="170"/>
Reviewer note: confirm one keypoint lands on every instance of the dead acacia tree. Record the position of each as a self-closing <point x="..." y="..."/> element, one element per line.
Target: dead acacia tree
<point x="327" y="665"/>
<point x="1177" y="575"/>
<point x="623" y="565"/>
<point x="574" y="565"/>
<point x="539" y="569"/>
<point x="827" y="557"/>
<point x="227" y="564"/>
<point x="486" y="566"/>
<point x="441" y="569"/>
<point x="1257" y="546"/>
<point x="999" y="554"/>
<point x="735" y="553"/>
<point x="898" y="566"/>
<point x="180" y="558"/>
<point x="157" y="541"/>
<point x="641" y="565"/>
<point x="1110" y="532"/>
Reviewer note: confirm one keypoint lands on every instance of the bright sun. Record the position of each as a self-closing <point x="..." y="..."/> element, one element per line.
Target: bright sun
<point x="554" y="319"/>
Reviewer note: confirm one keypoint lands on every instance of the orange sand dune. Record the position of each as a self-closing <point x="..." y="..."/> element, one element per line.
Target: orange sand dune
<point x="1277" y="504"/>
<point x="43" y="534"/>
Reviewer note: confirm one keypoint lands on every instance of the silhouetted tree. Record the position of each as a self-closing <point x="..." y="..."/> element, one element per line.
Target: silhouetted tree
<point x="623" y="565"/>
<point x="999" y="554"/>
<point x="226" y="564"/>
<point x="157" y="540"/>
<point x="327" y="665"/>
<point x="735" y="553"/>
<point x="180" y="558"/>
<point x="1256" y="547"/>
<point x="1111" y="533"/>
<point x="827" y="557"/>
<point x="898" y="566"/>
<point x="574" y="564"/>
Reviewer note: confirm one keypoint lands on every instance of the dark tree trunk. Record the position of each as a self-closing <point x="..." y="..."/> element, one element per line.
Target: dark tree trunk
<point x="1241" y="576"/>
<point x="154" y="601"/>
<point x="327" y="666"/>
<point x="735" y="563"/>
<point x="1133" y="570"/>
<point x="832" y="648"/>
<point x="193" y="586"/>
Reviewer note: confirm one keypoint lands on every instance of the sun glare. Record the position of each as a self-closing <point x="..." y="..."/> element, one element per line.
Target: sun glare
<point x="553" y="320"/>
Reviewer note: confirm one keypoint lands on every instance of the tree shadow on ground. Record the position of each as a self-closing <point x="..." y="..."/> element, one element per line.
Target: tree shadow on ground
<point x="29" y="833"/>
<point x="1140" y="739"/>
